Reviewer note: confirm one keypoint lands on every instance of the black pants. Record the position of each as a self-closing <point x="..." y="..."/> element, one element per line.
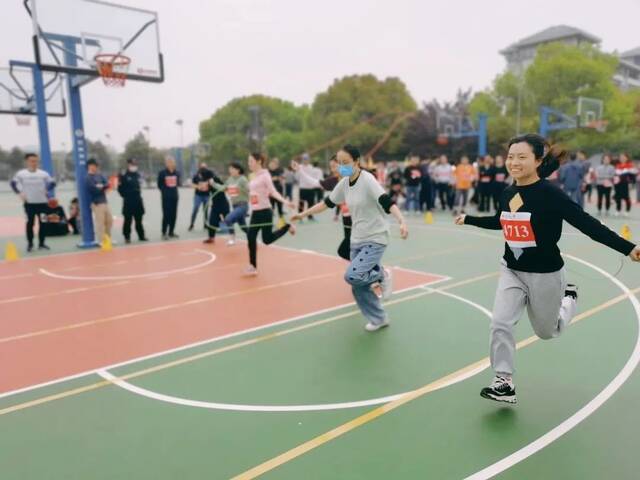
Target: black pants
<point x="622" y="194"/>
<point x="126" y="226"/>
<point x="34" y="210"/>
<point x="604" y="193"/>
<point x="484" y="200"/>
<point x="426" y="196"/>
<point x="75" y="225"/>
<point x="498" y="188"/>
<point x="344" y="249"/>
<point x="307" y="195"/>
<point x="169" y="213"/>
<point x="276" y="203"/>
<point x="262" y="221"/>
<point x="444" y="193"/>
<point x="216" y="216"/>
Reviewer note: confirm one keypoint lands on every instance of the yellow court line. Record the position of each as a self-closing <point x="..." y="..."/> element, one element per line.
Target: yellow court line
<point x="61" y="292"/>
<point x="408" y="397"/>
<point x="68" y="393"/>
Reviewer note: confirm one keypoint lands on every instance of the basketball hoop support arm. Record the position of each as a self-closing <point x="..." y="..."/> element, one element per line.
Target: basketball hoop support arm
<point x="41" y="111"/>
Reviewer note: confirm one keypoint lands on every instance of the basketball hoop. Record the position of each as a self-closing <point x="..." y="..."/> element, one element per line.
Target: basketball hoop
<point x="442" y="139"/>
<point x="23" y="120"/>
<point x="598" y="125"/>
<point x="113" y="68"/>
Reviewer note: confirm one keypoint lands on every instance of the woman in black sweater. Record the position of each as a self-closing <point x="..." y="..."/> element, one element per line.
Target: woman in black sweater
<point x="531" y="214"/>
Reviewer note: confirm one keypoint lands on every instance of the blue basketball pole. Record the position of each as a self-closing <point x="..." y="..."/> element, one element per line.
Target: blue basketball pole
<point x="482" y="134"/>
<point x="80" y="152"/>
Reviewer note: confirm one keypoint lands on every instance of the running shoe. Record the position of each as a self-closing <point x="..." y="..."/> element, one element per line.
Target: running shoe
<point x="42" y="246"/>
<point x="387" y="284"/>
<point x="251" y="271"/>
<point x="374" y="327"/>
<point x="501" y="390"/>
<point x="571" y="291"/>
<point x="231" y="242"/>
<point x="209" y="241"/>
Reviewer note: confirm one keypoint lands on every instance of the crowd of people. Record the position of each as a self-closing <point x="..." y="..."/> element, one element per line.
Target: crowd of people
<point x="417" y="185"/>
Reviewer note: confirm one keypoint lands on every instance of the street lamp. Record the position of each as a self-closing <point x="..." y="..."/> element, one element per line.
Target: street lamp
<point x="147" y="130"/>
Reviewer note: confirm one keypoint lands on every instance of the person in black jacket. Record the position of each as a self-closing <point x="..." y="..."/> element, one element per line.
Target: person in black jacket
<point x="532" y="276"/>
<point x="132" y="205"/>
<point x="168" y="182"/>
<point x="201" y="183"/>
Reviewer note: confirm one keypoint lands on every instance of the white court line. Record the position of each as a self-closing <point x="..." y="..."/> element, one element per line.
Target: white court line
<point x="291" y="408"/>
<point x="211" y="259"/>
<point x="584" y="412"/>
<point x="191" y="345"/>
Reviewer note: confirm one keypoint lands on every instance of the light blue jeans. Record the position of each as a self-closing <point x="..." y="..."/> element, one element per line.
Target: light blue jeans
<point x="365" y="269"/>
<point x="237" y="215"/>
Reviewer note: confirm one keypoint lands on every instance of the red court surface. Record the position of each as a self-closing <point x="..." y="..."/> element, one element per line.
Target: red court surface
<point x="71" y="313"/>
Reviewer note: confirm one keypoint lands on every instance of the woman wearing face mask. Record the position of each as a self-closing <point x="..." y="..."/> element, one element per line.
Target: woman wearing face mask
<point x="328" y="184"/>
<point x="368" y="204"/>
<point x="261" y="190"/>
<point x="532" y="275"/>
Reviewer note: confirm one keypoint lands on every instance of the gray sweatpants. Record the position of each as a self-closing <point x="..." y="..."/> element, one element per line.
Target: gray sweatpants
<point x="365" y="269"/>
<point x="548" y="309"/>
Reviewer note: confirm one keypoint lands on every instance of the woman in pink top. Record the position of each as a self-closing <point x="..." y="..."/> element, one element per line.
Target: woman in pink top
<point x="261" y="189"/>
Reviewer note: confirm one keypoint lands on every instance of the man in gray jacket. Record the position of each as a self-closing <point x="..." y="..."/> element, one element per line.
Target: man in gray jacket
<point x="571" y="177"/>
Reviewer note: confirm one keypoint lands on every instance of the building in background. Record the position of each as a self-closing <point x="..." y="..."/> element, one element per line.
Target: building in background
<point x="521" y="54"/>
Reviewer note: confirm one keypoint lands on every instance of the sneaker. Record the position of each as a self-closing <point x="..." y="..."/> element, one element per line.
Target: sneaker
<point x="501" y="390"/>
<point x="143" y="239"/>
<point x="387" y="284"/>
<point x="127" y="240"/>
<point x="191" y="227"/>
<point x="250" y="271"/>
<point x="210" y="240"/>
<point x="165" y="237"/>
<point x="173" y="235"/>
<point x="374" y="327"/>
<point x="571" y="291"/>
<point x="231" y="242"/>
<point x="42" y="246"/>
<point x="30" y="247"/>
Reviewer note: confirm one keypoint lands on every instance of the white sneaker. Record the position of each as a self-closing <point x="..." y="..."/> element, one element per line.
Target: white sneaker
<point x="373" y="327"/>
<point x="231" y="242"/>
<point x="387" y="284"/>
<point x="251" y="271"/>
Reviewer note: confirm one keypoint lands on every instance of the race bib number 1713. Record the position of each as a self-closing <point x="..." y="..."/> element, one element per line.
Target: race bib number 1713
<point x="517" y="229"/>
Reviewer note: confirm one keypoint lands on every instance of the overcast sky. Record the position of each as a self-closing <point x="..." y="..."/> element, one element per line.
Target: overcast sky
<point x="216" y="50"/>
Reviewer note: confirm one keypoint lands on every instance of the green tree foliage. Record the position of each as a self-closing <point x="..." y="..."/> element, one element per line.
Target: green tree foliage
<point x="354" y="100"/>
<point x="557" y="77"/>
<point x="227" y="130"/>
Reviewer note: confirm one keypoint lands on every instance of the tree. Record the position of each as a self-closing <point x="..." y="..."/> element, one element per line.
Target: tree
<point x="560" y="74"/>
<point x="366" y="102"/>
<point x="227" y="130"/>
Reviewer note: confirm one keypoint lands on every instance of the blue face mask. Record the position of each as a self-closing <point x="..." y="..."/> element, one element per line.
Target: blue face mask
<point x="345" y="170"/>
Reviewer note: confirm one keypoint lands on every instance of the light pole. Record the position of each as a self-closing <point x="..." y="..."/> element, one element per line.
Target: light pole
<point x="147" y="130"/>
<point x="179" y="161"/>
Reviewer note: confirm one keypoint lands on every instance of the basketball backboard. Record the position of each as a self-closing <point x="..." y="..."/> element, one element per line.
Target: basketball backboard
<point x="17" y="92"/>
<point x="69" y="34"/>
<point x="590" y="111"/>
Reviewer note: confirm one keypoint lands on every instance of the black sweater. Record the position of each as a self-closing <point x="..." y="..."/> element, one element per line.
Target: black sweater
<point x="548" y="207"/>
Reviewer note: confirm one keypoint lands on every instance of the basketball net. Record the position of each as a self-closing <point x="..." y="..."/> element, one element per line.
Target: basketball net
<point x="113" y="68"/>
<point x="23" y="120"/>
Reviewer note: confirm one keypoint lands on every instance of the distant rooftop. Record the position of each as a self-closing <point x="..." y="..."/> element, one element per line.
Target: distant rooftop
<point x="631" y="53"/>
<point x="551" y="34"/>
